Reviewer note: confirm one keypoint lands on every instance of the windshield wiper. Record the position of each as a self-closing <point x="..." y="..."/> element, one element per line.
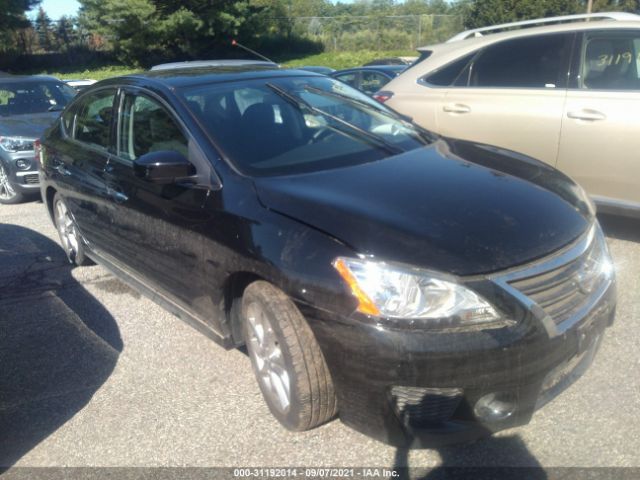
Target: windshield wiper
<point x="361" y="134"/>
<point x="395" y="115"/>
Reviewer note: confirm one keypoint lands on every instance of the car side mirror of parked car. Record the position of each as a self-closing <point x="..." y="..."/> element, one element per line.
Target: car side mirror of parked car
<point x="163" y="167"/>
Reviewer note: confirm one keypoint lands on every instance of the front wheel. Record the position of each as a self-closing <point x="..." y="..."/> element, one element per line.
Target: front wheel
<point x="286" y="359"/>
<point x="8" y="192"/>
<point x="68" y="232"/>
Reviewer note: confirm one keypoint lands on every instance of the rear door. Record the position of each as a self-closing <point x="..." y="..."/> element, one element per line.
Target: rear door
<point x="600" y="144"/>
<point x="78" y="159"/>
<point x="511" y="95"/>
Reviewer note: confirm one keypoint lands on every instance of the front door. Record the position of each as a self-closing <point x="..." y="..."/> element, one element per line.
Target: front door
<point x="511" y="95"/>
<point x="159" y="226"/>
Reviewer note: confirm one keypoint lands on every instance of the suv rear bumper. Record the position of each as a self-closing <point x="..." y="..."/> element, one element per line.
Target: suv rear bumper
<point x="372" y="367"/>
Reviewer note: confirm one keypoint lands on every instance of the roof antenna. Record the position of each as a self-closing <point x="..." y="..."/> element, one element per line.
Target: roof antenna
<point x="235" y="43"/>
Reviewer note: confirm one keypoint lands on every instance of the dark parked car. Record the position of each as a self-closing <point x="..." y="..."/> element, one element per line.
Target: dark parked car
<point x="369" y="79"/>
<point x="425" y="290"/>
<point x="391" y="61"/>
<point x="28" y="105"/>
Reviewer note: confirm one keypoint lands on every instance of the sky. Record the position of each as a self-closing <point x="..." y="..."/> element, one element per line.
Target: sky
<point x="57" y="8"/>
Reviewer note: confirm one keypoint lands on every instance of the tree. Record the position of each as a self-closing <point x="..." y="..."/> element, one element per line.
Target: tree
<point x="65" y="33"/>
<point x="13" y="22"/>
<point x="616" y="6"/>
<point x="44" y="30"/>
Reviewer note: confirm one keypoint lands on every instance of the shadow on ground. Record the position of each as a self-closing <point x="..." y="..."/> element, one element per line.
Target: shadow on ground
<point x="58" y="344"/>
<point x="490" y="458"/>
<point x="622" y="228"/>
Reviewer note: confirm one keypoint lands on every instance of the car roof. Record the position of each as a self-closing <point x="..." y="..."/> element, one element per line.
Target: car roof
<point x="380" y="68"/>
<point x="26" y="78"/>
<point x="211" y="63"/>
<point x="185" y="77"/>
<point x="474" y="42"/>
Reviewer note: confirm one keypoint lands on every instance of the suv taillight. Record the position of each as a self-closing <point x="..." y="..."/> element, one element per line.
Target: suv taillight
<point x="382" y="96"/>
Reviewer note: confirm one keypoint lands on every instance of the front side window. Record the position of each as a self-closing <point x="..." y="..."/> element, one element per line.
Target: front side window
<point x="611" y="61"/>
<point x="93" y="121"/>
<point x="26" y="98"/>
<point x="530" y="62"/>
<point x="299" y="124"/>
<point x="146" y="126"/>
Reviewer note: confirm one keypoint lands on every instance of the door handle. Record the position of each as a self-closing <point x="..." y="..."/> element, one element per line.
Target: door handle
<point x="456" y="108"/>
<point x="587" y="114"/>
<point x="61" y="169"/>
<point x="116" y="195"/>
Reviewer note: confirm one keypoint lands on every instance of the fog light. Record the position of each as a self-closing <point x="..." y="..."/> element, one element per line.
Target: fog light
<point x="23" y="164"/>
<point x="495" y="407"/>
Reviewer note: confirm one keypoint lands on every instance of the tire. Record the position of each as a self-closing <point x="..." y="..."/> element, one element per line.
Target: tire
<point x="9" y="194"/>
<point x="311" y="399"/>
<point x="70" y="238"/>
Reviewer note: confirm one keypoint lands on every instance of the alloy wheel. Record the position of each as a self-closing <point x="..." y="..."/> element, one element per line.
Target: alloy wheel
<point x="6" y="189"/>
<point x="267" y="355"/>
<point x="66" y="230"/>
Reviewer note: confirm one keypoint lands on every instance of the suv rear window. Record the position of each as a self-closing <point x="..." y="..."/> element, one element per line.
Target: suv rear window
<point x="611" y="61"/>
<point x="448" y="74"/>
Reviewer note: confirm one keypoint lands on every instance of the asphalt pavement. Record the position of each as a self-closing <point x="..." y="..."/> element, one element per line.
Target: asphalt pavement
<point x="93" y="374"/>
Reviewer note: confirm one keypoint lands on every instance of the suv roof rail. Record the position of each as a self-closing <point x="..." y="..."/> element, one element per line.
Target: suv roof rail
<point x="478" y="32"/>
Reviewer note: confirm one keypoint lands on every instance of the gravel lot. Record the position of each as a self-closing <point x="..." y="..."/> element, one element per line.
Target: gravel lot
<point x="92" y="374"/>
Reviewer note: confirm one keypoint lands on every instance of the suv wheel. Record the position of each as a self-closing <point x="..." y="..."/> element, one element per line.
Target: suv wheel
<point x="8" y="192"/>
<point x="286" y="359"/>
<point x="68" y="232"/>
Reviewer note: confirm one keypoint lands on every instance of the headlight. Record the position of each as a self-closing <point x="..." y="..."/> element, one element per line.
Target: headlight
<point x="399" y="292"/>
<point x="16" y="144"/>
<point x="23" y="164"/>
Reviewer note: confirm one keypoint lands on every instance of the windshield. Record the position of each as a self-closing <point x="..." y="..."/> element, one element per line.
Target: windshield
<point x="21" y="98"/>
<point x="301" y="124"/>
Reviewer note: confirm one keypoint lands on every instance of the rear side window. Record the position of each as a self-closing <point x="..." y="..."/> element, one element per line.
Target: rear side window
<point x="93" y="122"/>
<point x="372" y="82"/>
<point x="450" y="73"/>
<point x="350" y="79"/>
<point x="530" y="62"/>
<point x="611" y="61"/>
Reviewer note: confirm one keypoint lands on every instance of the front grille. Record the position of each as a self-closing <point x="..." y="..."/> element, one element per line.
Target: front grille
<point x="421" y="407"/>
<point x="31" y="179"/>
<point x="564" y="290"/>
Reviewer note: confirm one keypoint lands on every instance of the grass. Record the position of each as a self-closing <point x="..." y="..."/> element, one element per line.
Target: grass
<point x="337" y="60"/>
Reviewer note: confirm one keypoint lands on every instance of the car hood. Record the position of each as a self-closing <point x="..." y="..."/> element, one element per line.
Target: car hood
<point x="31" y="125"/>
<point x="454" y="206"/>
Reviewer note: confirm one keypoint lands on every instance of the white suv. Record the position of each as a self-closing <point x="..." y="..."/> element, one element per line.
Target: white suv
<point x="567" y="94"/>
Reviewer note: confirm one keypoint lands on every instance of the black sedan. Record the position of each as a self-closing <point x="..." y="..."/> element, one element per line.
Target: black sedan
<point x="369" y="79"/>
<point x="425" y="290"/>
<point x="28" y="105"/>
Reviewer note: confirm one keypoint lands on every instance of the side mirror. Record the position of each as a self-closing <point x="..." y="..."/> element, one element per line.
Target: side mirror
<point x="163" y="167"/>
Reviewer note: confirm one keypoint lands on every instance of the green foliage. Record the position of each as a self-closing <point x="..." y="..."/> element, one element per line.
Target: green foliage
<point x="44" y="30"/>
<point x="481" y="13"/>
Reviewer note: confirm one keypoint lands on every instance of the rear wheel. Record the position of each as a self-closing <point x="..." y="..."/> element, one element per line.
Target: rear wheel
<point x="68" y="232"/>
<point x="8" y="192"/>
<point x="286" y="359"/>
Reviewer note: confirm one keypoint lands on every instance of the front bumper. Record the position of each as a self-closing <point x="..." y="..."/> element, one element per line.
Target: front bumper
<point x="24" y="181"/>
<point x="524" y="365"/>
<point x="413" y="387"/>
